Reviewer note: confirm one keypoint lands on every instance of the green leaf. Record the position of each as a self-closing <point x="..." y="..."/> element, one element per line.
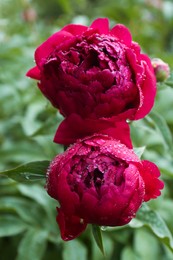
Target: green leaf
<point x="151" y="219"/>
<point x="74" y="250"/>
<point x="31" y="171"/>
<point x="143" y="239"/>
<point x="169" y="81"/>
<point x="98" y="237"/>
<point x="161" y="125"/>
<point x="128" y="253"/>
<point x="19" y="206"/>
<point x="33" y="245"/>
<point x="11" y="225"/>
<point x="139" y="150"/>
<point x="40" y="196"/>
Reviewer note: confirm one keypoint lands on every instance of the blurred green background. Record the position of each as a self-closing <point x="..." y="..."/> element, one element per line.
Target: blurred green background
<point x="28" y="230"/>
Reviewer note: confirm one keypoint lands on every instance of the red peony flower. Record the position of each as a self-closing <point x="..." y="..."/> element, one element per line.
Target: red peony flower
<point x="100" y="181"/>
<point x="94" y="73"/>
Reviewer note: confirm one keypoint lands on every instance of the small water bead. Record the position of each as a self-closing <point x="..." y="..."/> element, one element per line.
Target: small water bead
<point x="103" y="228"/>
<point x="25" y="175"/>
<point x="128" y="121"/>
<point x="32" y="176"/>
<point x="48" y="172"/>
<point x="81" y="221"/>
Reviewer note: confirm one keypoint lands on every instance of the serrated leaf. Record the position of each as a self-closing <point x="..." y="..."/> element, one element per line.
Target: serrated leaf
<point x="32" y="171"/>
<point x="162" y="126"/>
<point x="98" y="237"/>
<point x="150" y="218"/>
<point x="33" y="245"/>
<point x="11" y="225"/>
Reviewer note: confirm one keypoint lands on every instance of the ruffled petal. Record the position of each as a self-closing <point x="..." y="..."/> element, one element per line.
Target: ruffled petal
<point x="34" y="73"/>
<point x="150" y="173"/>
<point x="148" y="61"/>
<point x="122" y="33"/>
<point x="44" y="50"/>
<point x="101" y="24"/>
<point x="70" y="226"/>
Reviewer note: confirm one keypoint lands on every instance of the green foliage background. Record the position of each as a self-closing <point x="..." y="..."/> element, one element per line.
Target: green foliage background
<point x="28" y="229"/>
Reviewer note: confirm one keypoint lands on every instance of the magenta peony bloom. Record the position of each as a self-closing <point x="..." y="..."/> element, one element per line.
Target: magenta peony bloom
<point x="100" y="181"/>
<point x="94" y="73"/>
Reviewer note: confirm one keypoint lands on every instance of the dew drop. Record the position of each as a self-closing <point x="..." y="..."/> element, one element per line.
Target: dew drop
<point x="103" y="228"/>
<point x="81" y="221"/>
<point x="25" y="175"/>
<point x="128" y="121"/>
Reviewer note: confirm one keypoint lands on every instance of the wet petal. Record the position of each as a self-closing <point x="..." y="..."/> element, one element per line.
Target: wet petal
<point x="148" y="92"/>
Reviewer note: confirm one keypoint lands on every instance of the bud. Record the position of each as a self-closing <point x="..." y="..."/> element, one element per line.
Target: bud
<point x="29" y="15"/>
<point x="161" y="69"/>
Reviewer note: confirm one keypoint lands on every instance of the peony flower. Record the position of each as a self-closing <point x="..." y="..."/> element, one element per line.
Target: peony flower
<point x="94" y="73"/>
<point x="99" y="181"/>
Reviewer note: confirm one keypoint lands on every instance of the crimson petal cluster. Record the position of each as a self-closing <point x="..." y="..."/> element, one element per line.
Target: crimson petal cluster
<point x="94" y="73"/>
<point x="100" y="181"/>
<point x="98" y="79"/>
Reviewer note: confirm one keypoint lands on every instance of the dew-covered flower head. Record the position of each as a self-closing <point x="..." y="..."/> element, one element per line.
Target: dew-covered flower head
<point x="100" y="181"/>
<point x="95" y="72"/>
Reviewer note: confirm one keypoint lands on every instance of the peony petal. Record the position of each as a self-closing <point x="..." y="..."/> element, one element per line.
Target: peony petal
<point x="148" y="91"/>
<point x="80" y="128"/>
<point x="44" y="50"/>
<point x="75" y="29"/>
<point x="147" y="60"/>
<point x="150" y="173"/>
<point x="101" y="24"/>
<point x="122" y="33"/>
<point x="34" y="73"/>
<point x="120" y="132"/>
<point x="74" y="127"/>
<point x="88" y="204"/>
<point x="69" y="199"/>
<point x="70" y="226"/>
<point x="120" y="151"/>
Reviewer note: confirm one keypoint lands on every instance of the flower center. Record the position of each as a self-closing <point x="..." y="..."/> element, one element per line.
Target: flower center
<point x="95" y="172"/>
<point x="96" y="178"/>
